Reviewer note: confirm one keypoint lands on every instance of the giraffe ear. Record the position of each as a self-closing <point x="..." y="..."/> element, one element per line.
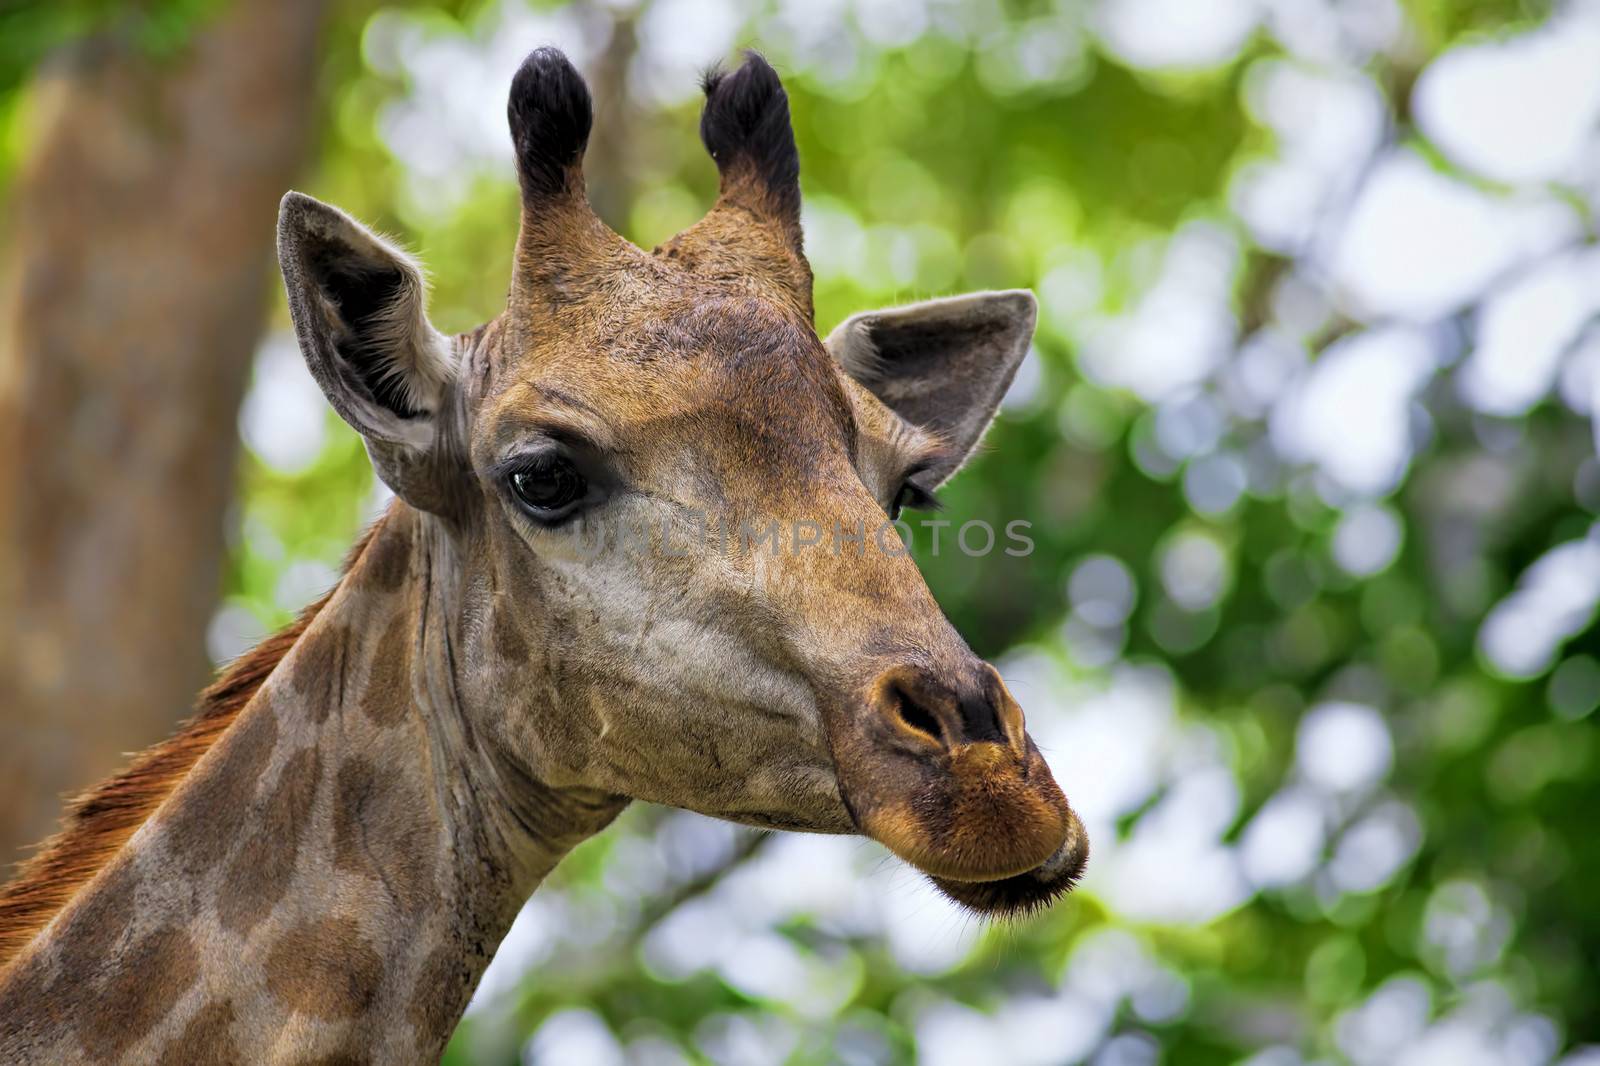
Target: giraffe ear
<point x="942" y="365"/>
<point x="357" y="303"/>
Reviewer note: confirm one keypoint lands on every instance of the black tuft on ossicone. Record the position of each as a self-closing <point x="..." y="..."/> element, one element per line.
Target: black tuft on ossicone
<point x="747" y="118"/>
<point x="551" y="115"/>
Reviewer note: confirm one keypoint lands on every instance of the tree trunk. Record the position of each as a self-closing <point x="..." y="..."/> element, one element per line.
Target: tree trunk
<point x="136" y="284"/>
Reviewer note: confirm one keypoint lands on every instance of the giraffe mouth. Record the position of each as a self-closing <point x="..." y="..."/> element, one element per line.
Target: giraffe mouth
<point x="993" y="833"/>
<point x="1033" y="890"/>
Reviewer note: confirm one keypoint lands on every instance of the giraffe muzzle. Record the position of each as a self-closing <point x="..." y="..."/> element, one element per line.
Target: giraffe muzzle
<point x="943" y="773"/>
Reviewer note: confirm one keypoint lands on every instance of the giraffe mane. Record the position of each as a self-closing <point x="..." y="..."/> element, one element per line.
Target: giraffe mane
<point x="99" y="822"/>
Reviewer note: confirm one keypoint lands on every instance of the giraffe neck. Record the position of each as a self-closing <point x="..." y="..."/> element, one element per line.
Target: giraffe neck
<point x="331" y="877"/>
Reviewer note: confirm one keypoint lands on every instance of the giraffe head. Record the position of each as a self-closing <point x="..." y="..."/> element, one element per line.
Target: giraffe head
<point x="664" y="502"/>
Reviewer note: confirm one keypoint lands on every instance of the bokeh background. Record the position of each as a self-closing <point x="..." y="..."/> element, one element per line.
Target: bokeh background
<point x="1306" y="442"/>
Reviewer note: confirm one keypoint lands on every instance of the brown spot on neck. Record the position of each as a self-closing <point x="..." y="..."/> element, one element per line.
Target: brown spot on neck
<point x="388" y="694"/>
<point x="99" y="922"/>
<point x="141" y="989"/>
<point x="443" y="984"/>
<point x="387" y="563"/>
<point x="325" y="968"/>
<point x="321" y="669"/>
<point x="383" y="829"/>
<point x="261" y="871"/>
<point x="206" y="1041"/>
<point x="202" y="826"/>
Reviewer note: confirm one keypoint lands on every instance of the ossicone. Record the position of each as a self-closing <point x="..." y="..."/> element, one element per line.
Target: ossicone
<point x="746" y="128"/>
<point x="551" y="114"/>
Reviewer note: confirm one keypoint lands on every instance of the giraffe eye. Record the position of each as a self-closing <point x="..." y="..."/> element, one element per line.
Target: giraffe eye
<point x="913" y="496"/>
<point x="549" y="487"/>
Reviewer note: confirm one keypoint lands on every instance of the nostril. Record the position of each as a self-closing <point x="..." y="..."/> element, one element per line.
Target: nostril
<point x="917" y="717"/>
<point x="981" y="719"/>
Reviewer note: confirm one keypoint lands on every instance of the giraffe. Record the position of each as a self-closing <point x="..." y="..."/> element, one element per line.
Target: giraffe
<point x="320" y="864"/>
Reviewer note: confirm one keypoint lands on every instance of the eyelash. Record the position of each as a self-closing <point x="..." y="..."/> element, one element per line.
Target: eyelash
<point x="916" y="498"/>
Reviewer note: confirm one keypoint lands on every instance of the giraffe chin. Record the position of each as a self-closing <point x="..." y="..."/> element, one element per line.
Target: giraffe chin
<point x="1023" y="894"/>
<point x="993" y="832"/>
